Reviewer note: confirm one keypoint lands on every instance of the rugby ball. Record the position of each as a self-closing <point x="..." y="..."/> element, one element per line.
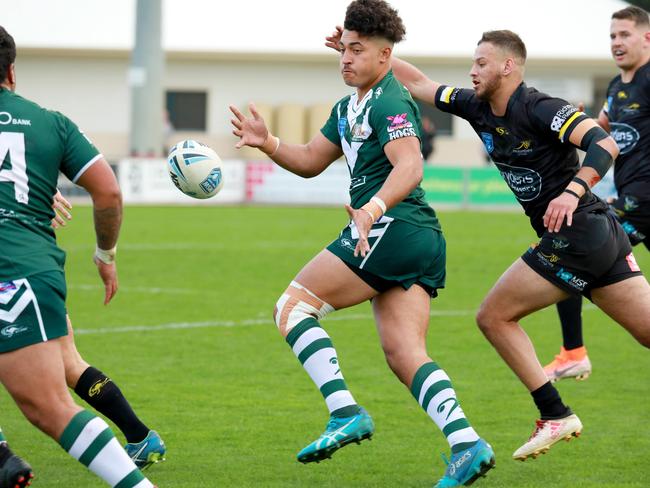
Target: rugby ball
<point x="195" y="169"/>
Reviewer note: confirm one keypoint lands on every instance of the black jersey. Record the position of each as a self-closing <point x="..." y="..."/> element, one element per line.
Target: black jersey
<point x="628" y="110"/>
<point x="529" y="144"/>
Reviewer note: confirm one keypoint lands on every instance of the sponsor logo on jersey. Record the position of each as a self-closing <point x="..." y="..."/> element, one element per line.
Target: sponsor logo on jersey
<point x="560" y="243"/>
<point x="524" y="147"/>
<point x="402" y="133"/>
<point x="525" y="183"/>
<point x="358" y="181"/>
<point x="625" y="136"/>
<point x="7" y="286"/>
<point x="11" y="330"/>
<point x="561" y="116"/>
<point x="621" y="95"/>
<point x="631" y="108"/>
<point x="571" y="279"/>
<point x="397" y="122"/>
<point x="6" y="118"/>
<point x="502" y="131"/>
<point x="488" y="141"/>
<point x="378" y="93"/>
<point x="342" y="122"/>
<point x="630" y="203"/>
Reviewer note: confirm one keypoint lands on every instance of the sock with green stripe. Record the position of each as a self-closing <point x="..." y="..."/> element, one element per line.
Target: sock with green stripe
<point x="316" y="353"/>
<point x="432" y="389"/>
<point x="89" y="439"/>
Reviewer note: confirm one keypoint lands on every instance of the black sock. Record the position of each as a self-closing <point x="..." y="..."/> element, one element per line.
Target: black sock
<point x="99" y="391"/>
<point x="549" y="403"/>
<point x="570" y="312"/>
<point x="5" y="453"/>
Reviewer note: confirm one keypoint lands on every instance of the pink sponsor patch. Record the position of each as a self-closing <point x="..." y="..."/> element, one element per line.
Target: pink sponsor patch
<point x="631" y="262"/>
<point x="399" y="121"/>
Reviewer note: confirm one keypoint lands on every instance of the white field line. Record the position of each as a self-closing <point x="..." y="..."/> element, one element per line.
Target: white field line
<point x="259" y="321"/>
<point x="139" y="289"/>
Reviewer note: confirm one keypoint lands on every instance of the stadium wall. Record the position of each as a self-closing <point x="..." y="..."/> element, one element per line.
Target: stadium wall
<point x="90" y="86"/>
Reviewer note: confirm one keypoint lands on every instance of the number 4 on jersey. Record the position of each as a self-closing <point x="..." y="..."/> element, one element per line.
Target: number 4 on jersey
<point x="12" y="151"/>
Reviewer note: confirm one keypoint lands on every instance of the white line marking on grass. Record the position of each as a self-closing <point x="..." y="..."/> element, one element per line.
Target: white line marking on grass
<point x="239" y="323"/>
<point x="139" y="289"/>
<point x="262" y="321"/>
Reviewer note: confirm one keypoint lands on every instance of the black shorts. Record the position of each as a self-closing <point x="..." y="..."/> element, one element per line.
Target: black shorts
<point x="592" y="253"/>
<point x="634" y="215"/>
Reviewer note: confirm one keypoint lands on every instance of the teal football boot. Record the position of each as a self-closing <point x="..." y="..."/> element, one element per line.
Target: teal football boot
<point x="468" y="465"/>
<point x="339" y="432"/>
<point x="150" y="451"/>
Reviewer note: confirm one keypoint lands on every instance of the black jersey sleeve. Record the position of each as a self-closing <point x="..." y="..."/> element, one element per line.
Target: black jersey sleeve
<point x="555" y="117"/>
<point x="457" y="101"/>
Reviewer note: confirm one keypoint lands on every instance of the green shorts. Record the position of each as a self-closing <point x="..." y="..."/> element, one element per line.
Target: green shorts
<point x="32" y="310"/>
<point x="401" y="254"/>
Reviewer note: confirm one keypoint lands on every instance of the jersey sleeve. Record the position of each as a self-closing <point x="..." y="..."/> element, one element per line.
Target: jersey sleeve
<point x="394" y="118"/>
<point x="78" y="153"/>
<point x="556" y="117"/>
<point x="333" y="127"/>
<point x="456" y="101"/>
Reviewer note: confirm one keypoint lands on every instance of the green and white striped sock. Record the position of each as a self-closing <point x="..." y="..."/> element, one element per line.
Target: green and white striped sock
<point x="432" y="389"/>
<point x="316" y="353"/>
<point x="89" y="440"/>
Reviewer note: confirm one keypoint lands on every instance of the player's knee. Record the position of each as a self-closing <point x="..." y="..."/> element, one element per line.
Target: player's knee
<point x="297" y="304"/>
<point x="485" y="319"/>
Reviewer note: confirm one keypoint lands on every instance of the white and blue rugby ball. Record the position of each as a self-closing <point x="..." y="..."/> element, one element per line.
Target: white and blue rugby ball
<point x="195" y="169"/>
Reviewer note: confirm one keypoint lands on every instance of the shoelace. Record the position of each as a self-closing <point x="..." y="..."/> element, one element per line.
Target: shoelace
<point x="445" y="458"/>
<point x="539" y="425"/>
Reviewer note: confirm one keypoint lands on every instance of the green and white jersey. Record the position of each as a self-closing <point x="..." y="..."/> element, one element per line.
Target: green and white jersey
<point x="35" y="144"/>
<point x="361" y="128"/>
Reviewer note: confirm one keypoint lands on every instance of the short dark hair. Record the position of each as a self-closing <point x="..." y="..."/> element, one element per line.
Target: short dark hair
<point x="7" y="53"/>
<point x="508" y="41"/>
<point x="636" y="14"/>
<point x="374" y="18"/>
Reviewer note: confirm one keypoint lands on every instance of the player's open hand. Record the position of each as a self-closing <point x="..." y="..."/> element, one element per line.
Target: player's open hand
<point x="363" y="221"/>
<point x="62" y="209"/>
<point x="332" y="41"/>
<point x="108" y="274"/>
<point x="560" y="208"/>
<point x="251" y="131"/>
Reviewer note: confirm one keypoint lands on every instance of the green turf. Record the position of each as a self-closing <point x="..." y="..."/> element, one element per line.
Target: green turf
<point x="233" y="404"/>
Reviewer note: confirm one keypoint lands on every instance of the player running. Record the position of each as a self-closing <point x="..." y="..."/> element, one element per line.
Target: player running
<point x="35" y="144"/>
<point x="532" y="139"/>
<point x="392" y="252"/>
<point x="626" y="116"/>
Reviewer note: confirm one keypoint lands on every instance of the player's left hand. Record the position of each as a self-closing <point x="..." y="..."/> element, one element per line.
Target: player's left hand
<point x="108" y="274"/>
<point x="558" y="209"/>
<point x="61" y="210"/>
<point x="332" y="41"/>
<point x="363" y="222"/>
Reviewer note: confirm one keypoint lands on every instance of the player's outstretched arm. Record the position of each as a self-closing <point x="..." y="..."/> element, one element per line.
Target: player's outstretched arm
<point x="306" y="160"/>
<point x="601" y="151"/>
<point x="99" y="180"/>
<point x="420" y="86"/>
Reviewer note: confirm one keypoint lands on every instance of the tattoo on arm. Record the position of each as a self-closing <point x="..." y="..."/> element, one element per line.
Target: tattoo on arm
<point x="107" y="226"/>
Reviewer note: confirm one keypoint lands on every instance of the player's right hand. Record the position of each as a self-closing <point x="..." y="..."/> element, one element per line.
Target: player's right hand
<point x="332" y="41"/>
<point x="251" y="131"/>
<point x="363" y="221"/>
<point x="108" y="274"/>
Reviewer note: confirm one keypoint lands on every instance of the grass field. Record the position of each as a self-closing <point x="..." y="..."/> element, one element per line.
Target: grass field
<point x="190" y="340"/>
